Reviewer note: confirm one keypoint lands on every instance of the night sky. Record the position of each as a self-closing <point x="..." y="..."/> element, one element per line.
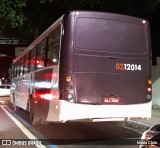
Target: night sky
<point x="155" y="34"/>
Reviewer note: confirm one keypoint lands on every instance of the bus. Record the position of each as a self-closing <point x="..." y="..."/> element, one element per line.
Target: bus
<point x="88" y="65"/>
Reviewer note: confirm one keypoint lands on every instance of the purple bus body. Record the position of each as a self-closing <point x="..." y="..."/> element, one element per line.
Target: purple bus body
<point x="93" y="44"/>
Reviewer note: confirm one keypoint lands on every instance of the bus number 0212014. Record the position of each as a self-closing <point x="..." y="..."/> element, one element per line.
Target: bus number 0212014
<point x="129" y="67"/>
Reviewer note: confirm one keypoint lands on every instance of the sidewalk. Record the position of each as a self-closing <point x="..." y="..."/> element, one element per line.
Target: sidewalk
<point x="140" y="125"/>
<point x="155" y="118"/>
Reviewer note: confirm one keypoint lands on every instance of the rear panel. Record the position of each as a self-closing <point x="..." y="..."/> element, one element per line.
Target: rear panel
<point x="101" y="79"/>
<point x="111" y="59"/>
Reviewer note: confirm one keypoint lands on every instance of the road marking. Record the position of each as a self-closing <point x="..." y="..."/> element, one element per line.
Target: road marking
<point x="22" y="127"/>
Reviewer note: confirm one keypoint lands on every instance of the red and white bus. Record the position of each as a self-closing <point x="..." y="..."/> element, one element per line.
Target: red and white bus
<point x="87" y="65"/>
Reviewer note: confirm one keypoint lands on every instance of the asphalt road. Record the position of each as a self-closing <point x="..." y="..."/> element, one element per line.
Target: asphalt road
<point x="69" y="134"/>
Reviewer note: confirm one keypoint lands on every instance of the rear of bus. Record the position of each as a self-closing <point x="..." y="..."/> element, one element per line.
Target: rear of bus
<point x="107" y="72"/>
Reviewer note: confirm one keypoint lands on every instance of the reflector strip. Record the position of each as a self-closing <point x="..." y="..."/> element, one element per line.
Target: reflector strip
<point x="50" y="96"/>
<point x="46" y="96"/>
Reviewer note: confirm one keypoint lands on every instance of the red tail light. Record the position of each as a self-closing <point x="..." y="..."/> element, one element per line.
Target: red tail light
<point x="149" y="89"/>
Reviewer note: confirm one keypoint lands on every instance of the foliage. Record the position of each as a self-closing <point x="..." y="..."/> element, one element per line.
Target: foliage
<point x="11" y="14"/>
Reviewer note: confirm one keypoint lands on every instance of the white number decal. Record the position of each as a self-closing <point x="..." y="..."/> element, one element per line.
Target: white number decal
<point x="128" y="67"/>
<point x="138" y="67"/>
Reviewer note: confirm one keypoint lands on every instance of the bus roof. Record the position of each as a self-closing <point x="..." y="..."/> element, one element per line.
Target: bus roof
<point x="94" y="14"/>
<point x="108" y="15"/>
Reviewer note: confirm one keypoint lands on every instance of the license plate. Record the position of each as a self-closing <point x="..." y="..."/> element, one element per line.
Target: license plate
<point x="112" y="100"/>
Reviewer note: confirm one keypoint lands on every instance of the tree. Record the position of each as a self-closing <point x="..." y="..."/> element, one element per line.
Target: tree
<point x="11" y="15"/>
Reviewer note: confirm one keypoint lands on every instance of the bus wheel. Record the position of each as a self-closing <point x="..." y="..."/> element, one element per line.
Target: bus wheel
<point x="34" y="119"/>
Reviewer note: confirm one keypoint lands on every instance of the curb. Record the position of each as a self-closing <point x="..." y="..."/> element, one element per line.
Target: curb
<point x="136" y="126"/>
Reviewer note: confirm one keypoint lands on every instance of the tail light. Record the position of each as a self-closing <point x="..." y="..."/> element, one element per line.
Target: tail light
<point x="69" y="88"/>
<point x="150" y="82"/>
<point x="68" y="79"/>
<point x="149" y="89"/>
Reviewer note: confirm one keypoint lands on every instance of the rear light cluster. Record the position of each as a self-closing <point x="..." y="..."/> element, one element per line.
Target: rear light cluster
<point x="149" y="89"/>
<point x="69" y="88"/>
<point x="149" y="85"/>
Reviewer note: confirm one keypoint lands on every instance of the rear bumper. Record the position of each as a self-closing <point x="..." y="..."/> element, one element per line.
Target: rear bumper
<point x="61" y="110"/>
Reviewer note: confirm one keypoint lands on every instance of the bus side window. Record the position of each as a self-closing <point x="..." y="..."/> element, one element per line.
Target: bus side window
<point x="21" y="66"/>
<point x="41" y="54"/>
<point x="53" y="47"/>
<point x="33" y="59"/>
<point x="18" y="67"/>
<point x="12" y="70"/>
<point x="26" y="62"/>
<point x="15" y="69"/>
